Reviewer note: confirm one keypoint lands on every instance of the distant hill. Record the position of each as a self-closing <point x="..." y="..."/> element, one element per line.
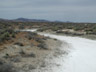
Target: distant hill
<point x="3" y="19"/>
<point x="30" y="20"/>
<point x="25" y="20"/>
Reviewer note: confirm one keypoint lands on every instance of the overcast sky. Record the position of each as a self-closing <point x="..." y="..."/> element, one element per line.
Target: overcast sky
<point x="63" y="10"/>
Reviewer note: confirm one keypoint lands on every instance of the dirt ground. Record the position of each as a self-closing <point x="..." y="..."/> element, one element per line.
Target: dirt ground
<point x="29" y="56"/>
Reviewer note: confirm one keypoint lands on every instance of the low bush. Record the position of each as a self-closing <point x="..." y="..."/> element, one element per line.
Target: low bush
<point x="40" y="40"/>
<point x="31" y="55"/>
<point x="6" y="34"/>
<point x="31" y="35"/>
<point x="22" y="52"/>
<point x="43" y="46"/>
<point x="15" y="59"/>
<point x="18" y="43"/>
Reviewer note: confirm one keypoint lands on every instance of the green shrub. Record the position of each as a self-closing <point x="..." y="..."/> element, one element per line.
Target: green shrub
<point x="13" y="35"/>
<point x="6" y="34"/>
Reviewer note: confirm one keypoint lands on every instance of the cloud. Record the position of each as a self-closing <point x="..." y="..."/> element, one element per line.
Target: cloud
<point x="72" y="10"/>
<point x="45" y="3"/>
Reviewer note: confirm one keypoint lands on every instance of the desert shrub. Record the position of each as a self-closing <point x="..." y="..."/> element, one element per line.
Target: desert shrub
<point x="59" y="32"/>
<point x="6" y="34"/>
<point x="32" y="45"/>
<point x="22" y="52"/>
<point x="55" y="39"/>
<point x="13" y="35"/>
<point x="45" y="38"/>
<point x="31" y="35"/>
<point x="18" y="43"/>
<point x="1" y="62"/>
<point x="40" y="40"/>
<point x="31" y="55"/>
<point x="42" y="29"/>
<point x="7" y="67"/>
<point x="21" y="27"/>
<point x="43" y="46"/>
<point x="43" y="64"/>
<point x="10" y="31"/>
<point x="55" y="28"/>
<point x="76" y="28"/>
<point x="15" y="59"/>
<point x="6" y="56"/>
<point x="31" y="67"/>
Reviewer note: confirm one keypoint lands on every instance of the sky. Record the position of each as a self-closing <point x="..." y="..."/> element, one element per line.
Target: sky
<point x="61" y="10"/>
